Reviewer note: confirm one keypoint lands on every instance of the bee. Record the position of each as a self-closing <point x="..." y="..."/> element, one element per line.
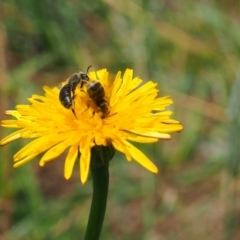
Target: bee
<point x="94" y="89"/>
<point x="96" y="92"/>
<point x="67" y="92"/>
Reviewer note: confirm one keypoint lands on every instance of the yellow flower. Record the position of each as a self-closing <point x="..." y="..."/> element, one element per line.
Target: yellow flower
<point x="136" y="115"/>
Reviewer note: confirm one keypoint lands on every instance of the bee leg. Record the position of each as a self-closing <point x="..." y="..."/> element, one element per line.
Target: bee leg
<point x="74" y="112"/>
<point x="73" y="97"/>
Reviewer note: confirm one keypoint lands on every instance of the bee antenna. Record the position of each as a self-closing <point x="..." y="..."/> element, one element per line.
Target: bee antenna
<point x="89" y="67"/>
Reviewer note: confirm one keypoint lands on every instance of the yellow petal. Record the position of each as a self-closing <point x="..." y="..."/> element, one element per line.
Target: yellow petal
<point x="138" y="156"/>
<point x="162" y="103"/>
<point x="53" y="152"/>
<point x="168" y="128"/>
<point x="9" y="123"/>
<point x="118" y="145"/>
<point x="38" y="97"/>
<point x="24" y="160"/>
<point x="11" y="137"/>
<point x="135" y="82"/>
<point x="151" y="134"/>
<point x="141" y="139"/>
<point x="38" y="145"/>
<point x="170" y="121"/>
<point x="70" y="160"/>
<point x="12" y="113"/>
<point x="115" y="91"/>
<point x="84" y="163"/>
<point x="126" y="82"/>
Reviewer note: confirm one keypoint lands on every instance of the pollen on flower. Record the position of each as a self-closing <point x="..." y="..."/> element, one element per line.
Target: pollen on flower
<point x="116" y="112"/>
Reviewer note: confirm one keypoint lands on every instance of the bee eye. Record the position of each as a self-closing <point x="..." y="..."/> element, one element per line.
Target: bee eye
<point x="84" y="76"/>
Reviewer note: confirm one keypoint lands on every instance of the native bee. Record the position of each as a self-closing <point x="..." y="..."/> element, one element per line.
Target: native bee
<point x="96" y="92"/>
<point x="94" y="89"/>
<point x="67" y="92"/>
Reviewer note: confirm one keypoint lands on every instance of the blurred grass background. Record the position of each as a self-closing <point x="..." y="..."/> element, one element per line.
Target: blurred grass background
<point x="192" y="49"/>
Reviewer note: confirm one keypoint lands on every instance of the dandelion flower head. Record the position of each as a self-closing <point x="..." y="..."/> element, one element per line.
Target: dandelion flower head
<point x="136" y="114"/>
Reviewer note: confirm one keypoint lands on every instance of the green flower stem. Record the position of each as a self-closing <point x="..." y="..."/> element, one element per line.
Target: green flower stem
<point x="100" y="179"/>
